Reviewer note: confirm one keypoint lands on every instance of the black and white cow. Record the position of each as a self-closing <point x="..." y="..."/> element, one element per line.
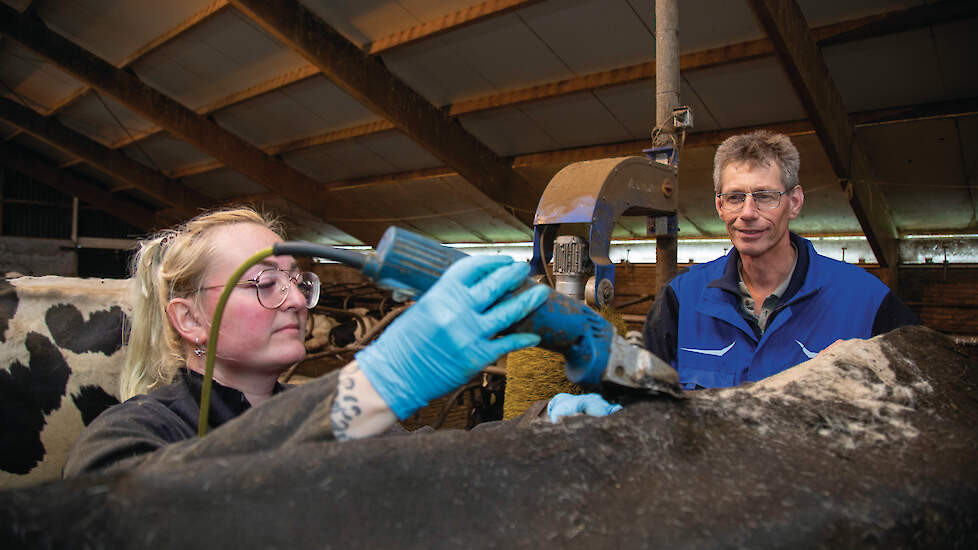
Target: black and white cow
<point x="339" y="328"/>
<point x="60" y="358"/>
<point x="872" y="444"/>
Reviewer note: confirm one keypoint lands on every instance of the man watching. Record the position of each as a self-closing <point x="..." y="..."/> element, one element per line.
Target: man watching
<point x="772" y="302"/>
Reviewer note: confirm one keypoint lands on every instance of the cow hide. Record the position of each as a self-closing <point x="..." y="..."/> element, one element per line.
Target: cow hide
<point x="60" y="358"/>
<point x="872" y="444"/>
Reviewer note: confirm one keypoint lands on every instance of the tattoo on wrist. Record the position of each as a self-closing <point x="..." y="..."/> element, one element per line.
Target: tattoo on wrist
<point x="346" y="407"/>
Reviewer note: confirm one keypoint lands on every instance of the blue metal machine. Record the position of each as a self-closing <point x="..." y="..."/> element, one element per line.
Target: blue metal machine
<point x="596" y="193"/>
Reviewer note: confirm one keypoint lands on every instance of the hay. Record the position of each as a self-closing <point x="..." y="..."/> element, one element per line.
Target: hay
<point x="616" y="319"/>
<point x="534" y="374"/>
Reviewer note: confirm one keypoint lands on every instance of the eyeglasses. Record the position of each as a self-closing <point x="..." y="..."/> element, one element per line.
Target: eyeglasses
<point x="272" y="287"/>
<point x="765" y="200"/>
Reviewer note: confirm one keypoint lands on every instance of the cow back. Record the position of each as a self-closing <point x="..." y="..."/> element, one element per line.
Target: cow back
<point x="60" y="358"/>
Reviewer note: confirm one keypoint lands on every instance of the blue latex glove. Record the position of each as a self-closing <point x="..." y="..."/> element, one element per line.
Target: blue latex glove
<point x="565" y="404"/>
<point x="445" y="339"/>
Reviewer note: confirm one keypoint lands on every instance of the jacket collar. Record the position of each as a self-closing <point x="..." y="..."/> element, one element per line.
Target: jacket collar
<point x="800" y="274"/>
<point x="730" y="279"/>
<point x="226" y="402"/>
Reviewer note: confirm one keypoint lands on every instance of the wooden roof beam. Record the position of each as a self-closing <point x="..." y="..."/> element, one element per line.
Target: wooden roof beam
<point x="26" y="162"/>
<point x="15" y="133"/>
<point x="367" y="79"/>
<point x="112" y="162"/>
<point x="796" y="47"/>
<point x="446" y="23"/>
<point x="187" y="24"/>
<point x="933" y="13"/>
<point x="195" y="129"/>
<point x="390" y="179"/>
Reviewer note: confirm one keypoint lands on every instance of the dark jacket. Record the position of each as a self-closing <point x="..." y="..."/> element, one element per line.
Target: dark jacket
<point x="146" y="423"/>
<point x="696" y="325"/>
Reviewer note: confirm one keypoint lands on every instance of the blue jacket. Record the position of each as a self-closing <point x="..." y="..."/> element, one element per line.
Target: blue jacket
<point x="696" y="324"/>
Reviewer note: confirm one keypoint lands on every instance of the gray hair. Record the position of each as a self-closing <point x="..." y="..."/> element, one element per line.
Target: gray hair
<point x="759" y="148"/>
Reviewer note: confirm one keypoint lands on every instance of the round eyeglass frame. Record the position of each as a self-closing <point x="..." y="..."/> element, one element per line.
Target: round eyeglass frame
<point x="740" y="207"/>
<point x="311" y="300"/>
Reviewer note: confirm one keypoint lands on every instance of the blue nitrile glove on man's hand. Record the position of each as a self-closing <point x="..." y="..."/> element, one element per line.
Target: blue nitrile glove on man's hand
<point x="446" y="338"/>
<point x="565" y="404"/>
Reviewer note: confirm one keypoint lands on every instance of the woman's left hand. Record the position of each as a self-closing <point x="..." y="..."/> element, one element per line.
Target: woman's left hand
<point x="448" y="336"/>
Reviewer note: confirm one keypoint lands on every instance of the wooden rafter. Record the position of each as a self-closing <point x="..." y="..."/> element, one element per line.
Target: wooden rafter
<point x="110" y="161"/>
<point x="201" y="167"/>
<point x="367" y="79"/>
<point x="195" y="129"/>
<point x="201" y="15"/>
<point x="69" y="100"/>
<point x="449" y="22"/>
<point x="933" y="13"/>
<point x="389" y="179"/>
<point x="15" y="133"/>
<point x="28" y="163"/>
<point x="330" y="137"/>
<point x="954" y="108"/>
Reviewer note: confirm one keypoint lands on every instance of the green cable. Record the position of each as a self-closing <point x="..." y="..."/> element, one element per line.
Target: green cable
<point x="205" y="389"/>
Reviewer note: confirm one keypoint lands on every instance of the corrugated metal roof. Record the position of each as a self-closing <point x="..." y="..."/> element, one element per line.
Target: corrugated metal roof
<point x="216" y="60"/>
<point x="30" y="79"/>
<point x="223" y="54"/>
<point x="750" y="93"/>
<point x="225" y="184"/>
<point x="103" y="119"/>
<point x="165" y="152"/>
<point x="111" y="29"/>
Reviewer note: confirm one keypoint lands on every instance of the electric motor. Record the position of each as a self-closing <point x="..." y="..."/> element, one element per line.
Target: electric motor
<point x="571" y="266"/>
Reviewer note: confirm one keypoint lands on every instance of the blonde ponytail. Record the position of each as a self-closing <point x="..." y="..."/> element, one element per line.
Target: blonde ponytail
<point x="169" y="264"/>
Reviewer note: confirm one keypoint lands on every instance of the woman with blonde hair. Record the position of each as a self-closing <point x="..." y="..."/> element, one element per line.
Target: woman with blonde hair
<point x="436" y="346"/>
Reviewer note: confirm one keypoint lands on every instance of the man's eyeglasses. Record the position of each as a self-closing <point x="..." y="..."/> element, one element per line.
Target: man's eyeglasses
<point x="765" y="200"/>
<point x="272" y="287"/>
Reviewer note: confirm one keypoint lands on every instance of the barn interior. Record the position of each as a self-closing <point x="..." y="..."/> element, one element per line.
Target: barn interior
<point x="484" y="125"/>
<point x="450" y="118"/>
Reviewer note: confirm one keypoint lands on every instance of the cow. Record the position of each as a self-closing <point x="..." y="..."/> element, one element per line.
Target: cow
<point x="60" y="358"/>
<point x="871" y="444"/>
<point x="339" y="328"/>
<point x="347" y="311"/>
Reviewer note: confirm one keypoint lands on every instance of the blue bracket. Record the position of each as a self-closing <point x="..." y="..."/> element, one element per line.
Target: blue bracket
<point x="667" y="154"/>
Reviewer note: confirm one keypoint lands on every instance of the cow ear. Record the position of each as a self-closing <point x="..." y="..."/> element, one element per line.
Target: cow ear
<point x="185" y="318"/>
